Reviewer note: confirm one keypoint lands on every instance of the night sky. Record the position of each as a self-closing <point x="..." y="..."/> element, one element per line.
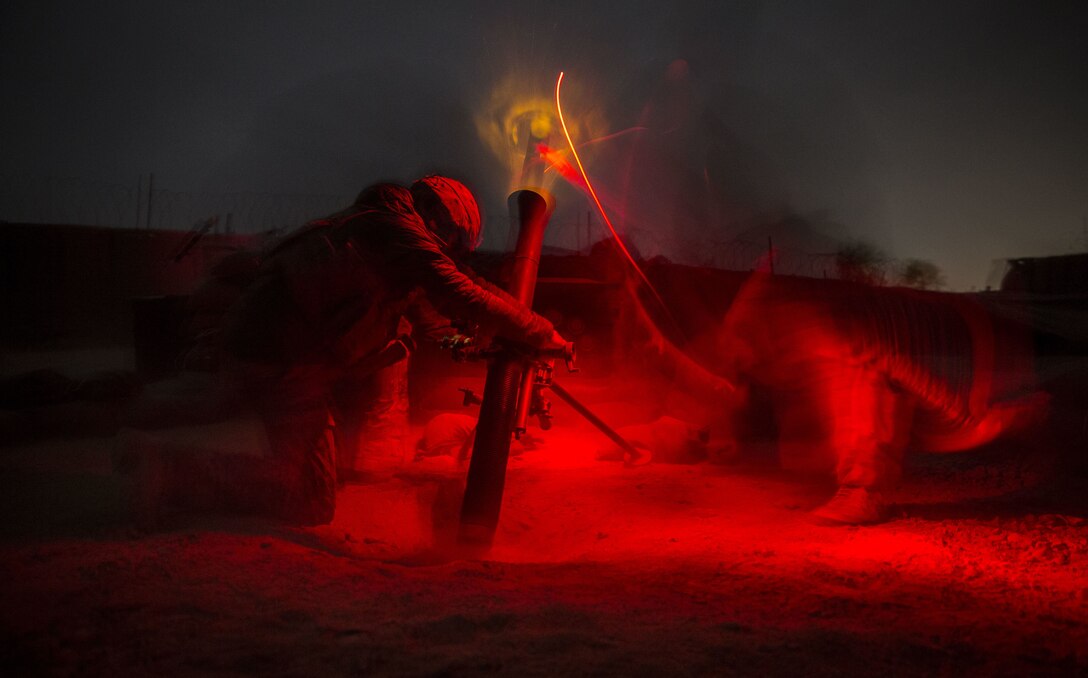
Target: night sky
<point x="950" y="131"/>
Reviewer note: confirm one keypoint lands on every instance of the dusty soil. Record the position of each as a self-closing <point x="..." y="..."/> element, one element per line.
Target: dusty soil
<point x="597" y="569"/>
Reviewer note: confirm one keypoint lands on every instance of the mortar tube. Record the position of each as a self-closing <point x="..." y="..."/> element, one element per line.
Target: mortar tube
<point x="486" y="480"/>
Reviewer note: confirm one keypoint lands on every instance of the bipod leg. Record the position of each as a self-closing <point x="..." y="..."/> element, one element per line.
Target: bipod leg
<point x="634" y="453"/>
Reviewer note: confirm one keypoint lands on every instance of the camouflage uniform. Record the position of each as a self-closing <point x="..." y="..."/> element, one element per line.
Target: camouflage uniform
<point x="313" y="325"/>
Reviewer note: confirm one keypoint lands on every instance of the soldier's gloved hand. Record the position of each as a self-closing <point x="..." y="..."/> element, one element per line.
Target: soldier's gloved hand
<point x="457" y="342"/>
<point x="555" y="342"/>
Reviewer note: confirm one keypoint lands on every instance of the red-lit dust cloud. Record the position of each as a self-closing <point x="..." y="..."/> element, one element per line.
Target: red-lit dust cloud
<point x="818" y="376"/>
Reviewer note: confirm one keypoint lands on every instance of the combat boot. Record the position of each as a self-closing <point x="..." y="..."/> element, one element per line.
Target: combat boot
<point x="852" y="505"/>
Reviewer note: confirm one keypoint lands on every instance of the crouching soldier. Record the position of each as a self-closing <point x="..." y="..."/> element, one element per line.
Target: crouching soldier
<point x="323" y="312"/>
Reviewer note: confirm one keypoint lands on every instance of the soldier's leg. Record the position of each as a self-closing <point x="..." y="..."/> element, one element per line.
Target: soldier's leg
<point x="372" y="421"/>
<point x="871" y="434"/>
<point x="869" y="425"/>
<point x="296" y="482"/>
<point x="302" y="460"/>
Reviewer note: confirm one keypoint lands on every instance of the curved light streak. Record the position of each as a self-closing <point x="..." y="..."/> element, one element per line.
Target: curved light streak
<point x="600" y="207"/>
<point x="680" y="360"/>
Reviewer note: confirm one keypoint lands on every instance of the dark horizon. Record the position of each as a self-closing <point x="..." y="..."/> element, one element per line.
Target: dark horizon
<point x="948" y="133"/>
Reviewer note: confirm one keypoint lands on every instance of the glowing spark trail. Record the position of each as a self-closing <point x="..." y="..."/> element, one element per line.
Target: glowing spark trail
<point x="563" y="167"/>
<point x="597" y="202"/>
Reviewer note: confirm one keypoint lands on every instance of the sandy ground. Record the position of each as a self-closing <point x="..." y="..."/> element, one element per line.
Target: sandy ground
<point x="596" y="569"/>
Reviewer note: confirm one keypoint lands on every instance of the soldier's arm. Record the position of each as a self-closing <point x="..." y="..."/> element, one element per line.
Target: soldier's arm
<point x="420" y="260"/>
<point x="428" y="322"/>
